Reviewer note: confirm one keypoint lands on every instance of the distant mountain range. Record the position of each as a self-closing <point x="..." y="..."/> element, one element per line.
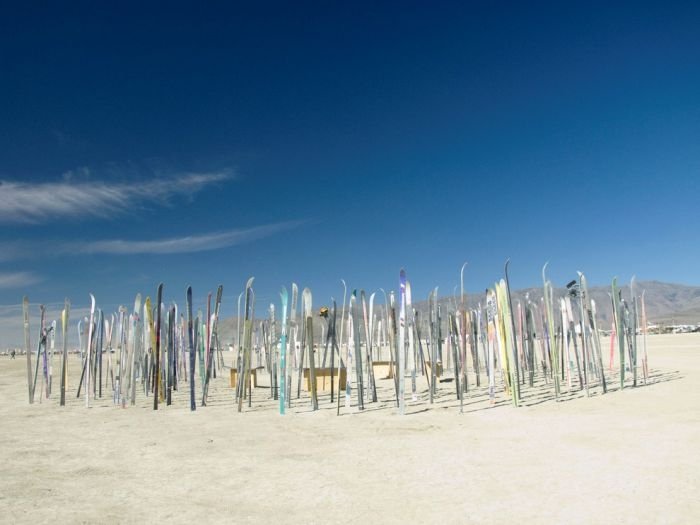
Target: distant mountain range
<point x="666" y="303"/>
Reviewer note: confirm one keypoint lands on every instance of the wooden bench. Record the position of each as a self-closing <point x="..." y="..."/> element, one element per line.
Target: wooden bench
<point x="253" y="377"/>
<point x="323" y="379"/>
<point x="382" y="370"/>
<point x="438" y="369"/>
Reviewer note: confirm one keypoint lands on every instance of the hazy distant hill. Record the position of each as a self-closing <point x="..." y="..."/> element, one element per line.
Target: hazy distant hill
<point x="666" y="303"/>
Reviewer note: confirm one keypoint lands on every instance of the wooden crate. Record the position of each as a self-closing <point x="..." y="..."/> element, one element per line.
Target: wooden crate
<point x="323" y="379"/>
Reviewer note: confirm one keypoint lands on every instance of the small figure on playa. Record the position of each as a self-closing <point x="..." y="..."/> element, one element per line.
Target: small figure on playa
<point x="13" y="352"/>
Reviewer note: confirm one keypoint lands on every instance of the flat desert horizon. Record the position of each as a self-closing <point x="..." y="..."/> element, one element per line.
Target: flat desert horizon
<point x="628" y="456"/>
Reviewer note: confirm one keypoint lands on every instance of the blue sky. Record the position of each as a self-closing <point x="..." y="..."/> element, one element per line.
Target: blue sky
<point x="314" y="141"/>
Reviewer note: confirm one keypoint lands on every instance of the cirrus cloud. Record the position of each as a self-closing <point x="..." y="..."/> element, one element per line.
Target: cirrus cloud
<point x="186" y="244"/>
<point x="17" y="279"/>
<point x="23" y="202"/>
<point x="19" y="250"/>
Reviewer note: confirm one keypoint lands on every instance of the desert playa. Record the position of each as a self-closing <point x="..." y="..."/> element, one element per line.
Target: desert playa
<point x="625" y="457"/>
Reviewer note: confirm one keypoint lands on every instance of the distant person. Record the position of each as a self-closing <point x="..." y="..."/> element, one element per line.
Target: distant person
<point x="12" y="353"/>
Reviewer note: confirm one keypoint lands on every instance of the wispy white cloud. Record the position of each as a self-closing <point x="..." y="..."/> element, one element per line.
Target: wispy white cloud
<point x="188" y="244"/>
<point x="17" y="279"/>
<point x="12" y="250"/>
<point x="32" y="202"/>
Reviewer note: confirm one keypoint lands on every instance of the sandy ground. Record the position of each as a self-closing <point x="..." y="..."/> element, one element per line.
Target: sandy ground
<point x="626" y="457"/>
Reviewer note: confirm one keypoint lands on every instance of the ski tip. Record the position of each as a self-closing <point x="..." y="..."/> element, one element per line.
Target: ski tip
<point x="306" y="298"/>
